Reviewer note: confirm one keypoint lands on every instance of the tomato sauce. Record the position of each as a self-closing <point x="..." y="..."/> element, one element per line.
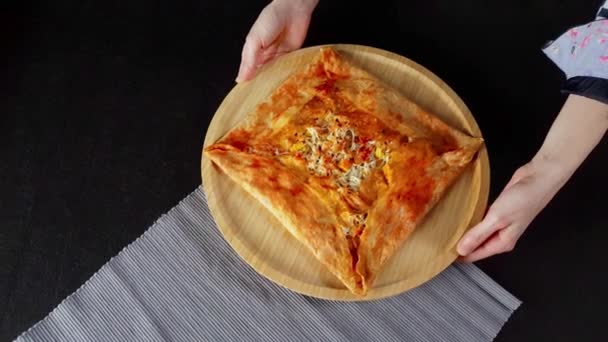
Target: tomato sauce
<point x="239" y="139"/>
<point x="326" y="86"/>
<point x="256" y="164"/>
<point x="365" y="152"/>
<point x="296" y="190"/>
<point x="417" y="195"/>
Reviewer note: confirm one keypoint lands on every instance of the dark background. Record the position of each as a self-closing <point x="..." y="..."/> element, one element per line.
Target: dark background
<point x="104" y="107"/>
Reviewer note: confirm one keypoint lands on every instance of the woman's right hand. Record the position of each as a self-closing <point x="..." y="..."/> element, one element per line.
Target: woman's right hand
<point x="281" y="27"/>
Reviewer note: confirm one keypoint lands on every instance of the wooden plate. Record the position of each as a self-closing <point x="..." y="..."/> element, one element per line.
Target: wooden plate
<point x="265" y="245"/>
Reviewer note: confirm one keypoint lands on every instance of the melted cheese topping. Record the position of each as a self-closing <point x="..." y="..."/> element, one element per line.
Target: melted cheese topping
<point x="332" y="150"/>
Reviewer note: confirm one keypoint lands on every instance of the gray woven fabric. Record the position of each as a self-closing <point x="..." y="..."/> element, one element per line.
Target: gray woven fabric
<point x="180" y="281"/>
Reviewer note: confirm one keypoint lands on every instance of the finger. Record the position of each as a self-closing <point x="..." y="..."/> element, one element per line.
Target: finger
<point x="480" y="233"/>
<point x="265" y="30"/>
<point x="250" y="58"/>
<point x="272" y="52"/>
<point x="498" y="243"/>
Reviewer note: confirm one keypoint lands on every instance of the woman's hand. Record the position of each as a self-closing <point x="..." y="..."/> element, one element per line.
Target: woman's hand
<point x="280" y="28"/>
<point x="530" y="189"/>
<point x="576" y="131"/>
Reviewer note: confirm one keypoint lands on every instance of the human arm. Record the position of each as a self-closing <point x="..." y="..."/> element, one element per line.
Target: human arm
<point x="578" y="128"/>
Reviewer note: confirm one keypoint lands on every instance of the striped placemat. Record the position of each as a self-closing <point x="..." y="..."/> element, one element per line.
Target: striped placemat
<point x="180" y="281"/>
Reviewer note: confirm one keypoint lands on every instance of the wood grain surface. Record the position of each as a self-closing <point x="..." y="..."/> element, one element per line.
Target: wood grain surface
<point x="264" y="244"/>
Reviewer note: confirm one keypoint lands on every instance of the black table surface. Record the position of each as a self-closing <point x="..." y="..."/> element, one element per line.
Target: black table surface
<point x="104" y="107"/>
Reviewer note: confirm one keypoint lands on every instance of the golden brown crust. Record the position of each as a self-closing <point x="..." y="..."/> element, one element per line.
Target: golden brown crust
<point x="283" y="192"/>
<point x="346" y="163"/>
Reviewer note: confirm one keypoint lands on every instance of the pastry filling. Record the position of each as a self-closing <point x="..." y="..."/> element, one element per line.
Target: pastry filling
<point x="331" y="150"/>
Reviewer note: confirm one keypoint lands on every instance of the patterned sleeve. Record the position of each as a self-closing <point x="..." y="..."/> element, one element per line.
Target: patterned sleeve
<point x="582" y="54"/>
<point x="603" y="12"/>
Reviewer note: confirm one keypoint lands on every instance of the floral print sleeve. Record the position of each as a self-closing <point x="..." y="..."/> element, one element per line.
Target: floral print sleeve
<point x="582" y="54"/>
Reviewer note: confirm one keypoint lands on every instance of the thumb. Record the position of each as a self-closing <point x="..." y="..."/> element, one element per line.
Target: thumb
<point x="480" y="233"/>
<point x="499" y="215"/>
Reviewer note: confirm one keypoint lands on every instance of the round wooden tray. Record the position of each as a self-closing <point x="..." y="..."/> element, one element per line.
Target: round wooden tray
<point x="264" y="244"/>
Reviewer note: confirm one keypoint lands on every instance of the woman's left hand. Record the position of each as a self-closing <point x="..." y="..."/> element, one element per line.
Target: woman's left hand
<point x="530" y="189"/>
<point x="578" y="128"/>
